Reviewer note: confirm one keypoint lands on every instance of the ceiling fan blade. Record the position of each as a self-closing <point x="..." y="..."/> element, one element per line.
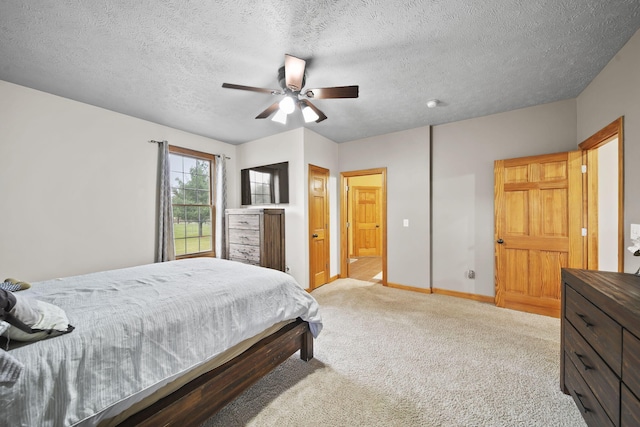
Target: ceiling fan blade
<point x="251" y="88"/>
<point x="321" y="115"/>
<point x="294" y="72"/>
<point x="269" y="111"/>
<point x="333" y="92"/>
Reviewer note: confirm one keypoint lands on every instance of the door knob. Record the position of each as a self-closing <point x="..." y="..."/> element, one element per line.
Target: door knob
<point x="314" y="235"/>
<point x="500" y="241"/>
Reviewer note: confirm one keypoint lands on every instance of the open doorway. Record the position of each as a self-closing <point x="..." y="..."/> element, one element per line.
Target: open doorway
<point x="363" y="225"/>
<point x="604" y="197"/>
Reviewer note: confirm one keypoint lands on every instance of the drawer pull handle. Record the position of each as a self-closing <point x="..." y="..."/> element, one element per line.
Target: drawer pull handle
<point x="584" y="365"/>
<point x="584" y="319"/>
<point x="583" y="408"/>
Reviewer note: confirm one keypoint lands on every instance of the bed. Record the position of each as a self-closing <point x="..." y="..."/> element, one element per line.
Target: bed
<point x="160" y="344"/>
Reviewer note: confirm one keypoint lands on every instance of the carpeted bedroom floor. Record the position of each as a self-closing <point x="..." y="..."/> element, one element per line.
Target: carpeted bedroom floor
<point x="389" y="357"/>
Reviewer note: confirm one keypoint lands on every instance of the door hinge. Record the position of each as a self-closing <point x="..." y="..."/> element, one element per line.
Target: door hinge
<point x="348" y="225"/>
<point x="346" y="188"/>
<point x="584" y="232"/>
<point x="584" y="168"/>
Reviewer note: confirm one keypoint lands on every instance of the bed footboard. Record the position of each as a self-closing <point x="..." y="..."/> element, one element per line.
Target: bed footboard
<point x="198" y="400"/>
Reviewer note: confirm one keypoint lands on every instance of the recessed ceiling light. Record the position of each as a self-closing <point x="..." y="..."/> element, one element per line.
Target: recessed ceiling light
<point x="433" y="103"/>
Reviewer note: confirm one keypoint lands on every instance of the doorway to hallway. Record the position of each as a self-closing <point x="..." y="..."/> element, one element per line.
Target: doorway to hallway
<point x="363" y="225"/>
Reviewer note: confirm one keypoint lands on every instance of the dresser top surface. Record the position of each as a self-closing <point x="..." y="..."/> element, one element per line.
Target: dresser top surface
<point x="618" y="292"/>
<point x="249" y="211"/>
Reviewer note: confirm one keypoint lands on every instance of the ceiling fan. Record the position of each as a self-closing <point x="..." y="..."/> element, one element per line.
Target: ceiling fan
<point x="292" y="79"/>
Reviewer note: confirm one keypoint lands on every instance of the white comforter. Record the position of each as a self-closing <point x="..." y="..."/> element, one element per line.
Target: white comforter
<point x="138" y="326"/>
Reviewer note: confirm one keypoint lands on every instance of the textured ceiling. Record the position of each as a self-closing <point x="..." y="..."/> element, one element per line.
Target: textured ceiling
<point x="165" y="61"/>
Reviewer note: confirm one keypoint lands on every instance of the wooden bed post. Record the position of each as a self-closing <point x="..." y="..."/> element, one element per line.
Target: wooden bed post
<point x="306" y="349"/>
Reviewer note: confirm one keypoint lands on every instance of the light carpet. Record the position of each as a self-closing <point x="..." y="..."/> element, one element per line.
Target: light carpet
<point x="389" y="357"/>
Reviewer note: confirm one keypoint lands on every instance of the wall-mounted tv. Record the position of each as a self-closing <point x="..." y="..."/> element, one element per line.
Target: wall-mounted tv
<point x="265" y="185"/>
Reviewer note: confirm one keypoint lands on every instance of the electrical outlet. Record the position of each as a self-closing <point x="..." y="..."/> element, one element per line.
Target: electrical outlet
<point x="471" y="274"/>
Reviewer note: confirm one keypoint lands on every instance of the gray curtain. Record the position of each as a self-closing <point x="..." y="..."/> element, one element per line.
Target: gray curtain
<point x="221" y="206"/>
<point x="165" y="250"/>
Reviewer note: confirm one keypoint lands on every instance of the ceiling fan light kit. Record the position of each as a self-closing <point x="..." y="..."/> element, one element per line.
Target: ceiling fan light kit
<point x="287" y="105"/>
<point x="309" y="115"/>
<point x="292" y="79"/>
<point x="280" y="117"/>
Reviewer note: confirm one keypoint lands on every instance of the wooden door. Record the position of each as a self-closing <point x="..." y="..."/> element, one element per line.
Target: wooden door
<point x="318" y="226"/>
<point x="366" y="221"/>
<point x="538" y="215"/>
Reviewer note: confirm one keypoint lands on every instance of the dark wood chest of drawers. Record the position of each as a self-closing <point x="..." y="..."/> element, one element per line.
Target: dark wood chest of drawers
<point x="256" y="236"/>
<point x="600" y="357"/>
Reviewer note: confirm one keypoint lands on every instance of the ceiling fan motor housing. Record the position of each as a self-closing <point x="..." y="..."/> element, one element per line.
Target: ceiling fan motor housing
<point x="283" y="82"/>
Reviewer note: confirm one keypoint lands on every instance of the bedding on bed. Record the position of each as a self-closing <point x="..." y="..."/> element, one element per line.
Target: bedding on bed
<point x="138" y="326"/>
<point x="10" y="368"/>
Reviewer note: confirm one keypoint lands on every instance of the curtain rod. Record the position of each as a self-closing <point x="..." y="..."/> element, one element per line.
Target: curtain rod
<point x="160" y="142"/>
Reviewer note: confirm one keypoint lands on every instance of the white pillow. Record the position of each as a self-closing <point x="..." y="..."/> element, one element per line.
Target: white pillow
<point x="3" y="326"/>
<point x="44" y="319"/>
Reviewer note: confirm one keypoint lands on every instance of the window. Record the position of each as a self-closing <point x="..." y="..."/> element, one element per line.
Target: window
<point x="191" y="198"/>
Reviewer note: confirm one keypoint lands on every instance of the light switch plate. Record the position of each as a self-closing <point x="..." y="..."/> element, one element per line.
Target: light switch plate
<point x="405" y="222"/>
<point x="635" y="231"/>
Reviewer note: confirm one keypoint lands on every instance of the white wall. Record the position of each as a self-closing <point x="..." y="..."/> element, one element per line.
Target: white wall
<point x="406" y="155"/>
<point x="284" y="147"/>
<point x="613" y="93"/>
<point x="608" y="206"/>
<point x="462" y="185"/>
<point x="78" y="185"/>
<point x="300" y="147"/>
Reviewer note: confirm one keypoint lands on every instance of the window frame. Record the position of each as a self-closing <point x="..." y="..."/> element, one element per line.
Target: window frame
<point x="200" y="155"/>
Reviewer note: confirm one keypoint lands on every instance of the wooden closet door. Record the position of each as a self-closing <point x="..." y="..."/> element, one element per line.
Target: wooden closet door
<point x="318" y="226"/>
<point x="538" y="215"/>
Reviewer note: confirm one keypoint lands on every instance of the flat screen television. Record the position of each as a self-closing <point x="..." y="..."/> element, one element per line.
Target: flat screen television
<point x="265" y="185"/>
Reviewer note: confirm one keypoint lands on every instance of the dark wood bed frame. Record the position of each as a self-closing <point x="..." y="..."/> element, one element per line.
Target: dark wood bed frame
<point x="199" y="399"/>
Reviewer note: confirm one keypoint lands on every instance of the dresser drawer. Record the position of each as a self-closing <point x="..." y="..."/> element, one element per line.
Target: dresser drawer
<point x="598" y="329"/>
<point x="604" y="384"/>
<point x="242" y="236"/>
<point x="631" y="361"/>
<point x="630" y="411"/>
<point x="244" y="253"/>
<point x="244" y="221"/>
<point x="587" y="403"/>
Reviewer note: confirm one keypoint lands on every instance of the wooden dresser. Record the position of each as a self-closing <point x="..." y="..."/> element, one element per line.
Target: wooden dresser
<point x="600" y="357"/>
<point x="256" y="236"/>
